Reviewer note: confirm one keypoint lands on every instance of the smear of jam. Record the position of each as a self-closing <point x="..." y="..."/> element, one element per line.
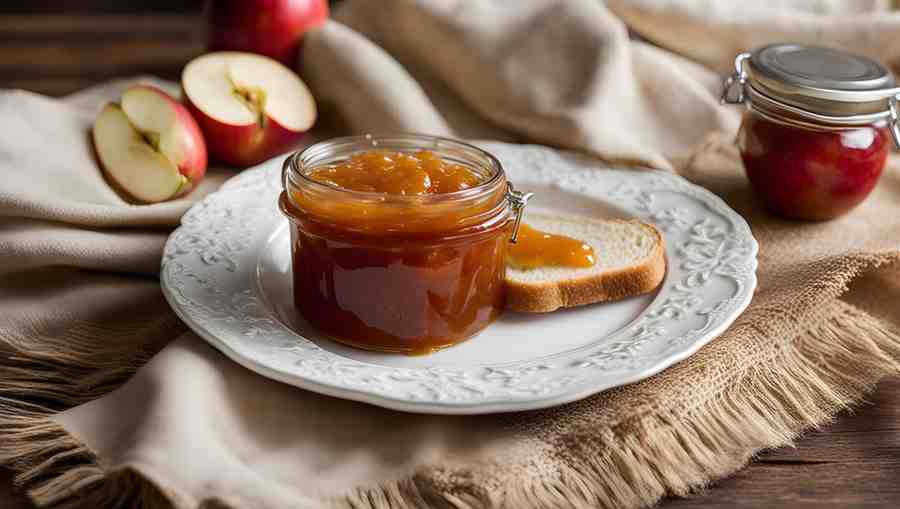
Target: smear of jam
<point x="534" y="249"/>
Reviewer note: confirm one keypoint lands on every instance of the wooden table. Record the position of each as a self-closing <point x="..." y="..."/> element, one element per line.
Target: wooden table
<point x="854" y="462"/>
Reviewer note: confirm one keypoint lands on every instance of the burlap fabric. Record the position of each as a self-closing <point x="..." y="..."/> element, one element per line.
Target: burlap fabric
<point x="82" y="309"/>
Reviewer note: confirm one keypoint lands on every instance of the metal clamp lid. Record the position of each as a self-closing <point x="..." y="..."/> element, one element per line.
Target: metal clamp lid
<point x="740" y="88"/>
<point x="518" y="200"/>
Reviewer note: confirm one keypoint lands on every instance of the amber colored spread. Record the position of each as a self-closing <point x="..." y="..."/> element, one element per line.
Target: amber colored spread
<point x="534" y="249"/>
<point x="382" y="171"/>
<point x="404" y="270"/>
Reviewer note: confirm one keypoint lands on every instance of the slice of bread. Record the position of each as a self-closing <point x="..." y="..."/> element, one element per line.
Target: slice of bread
<point x="630" y="260"/>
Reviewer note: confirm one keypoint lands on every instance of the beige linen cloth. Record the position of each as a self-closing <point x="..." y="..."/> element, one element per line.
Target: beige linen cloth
<point x="81" y="309"/>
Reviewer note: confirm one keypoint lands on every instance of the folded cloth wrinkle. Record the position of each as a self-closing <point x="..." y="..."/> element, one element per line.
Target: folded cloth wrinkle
<point x="81" y="309"/>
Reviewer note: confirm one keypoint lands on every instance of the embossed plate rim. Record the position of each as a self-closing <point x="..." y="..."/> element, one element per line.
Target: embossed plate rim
<point x="216" y="241"/>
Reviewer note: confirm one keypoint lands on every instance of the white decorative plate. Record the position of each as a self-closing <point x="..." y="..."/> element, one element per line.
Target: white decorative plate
<point x="226" y="272"/>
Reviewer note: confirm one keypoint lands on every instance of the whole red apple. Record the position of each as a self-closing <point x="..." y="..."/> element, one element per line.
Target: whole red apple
<point x="268" y="27"/>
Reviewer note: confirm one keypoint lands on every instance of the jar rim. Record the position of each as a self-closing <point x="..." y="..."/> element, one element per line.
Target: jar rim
<point x="390" y="141"/>
<point x="495" y="197"/>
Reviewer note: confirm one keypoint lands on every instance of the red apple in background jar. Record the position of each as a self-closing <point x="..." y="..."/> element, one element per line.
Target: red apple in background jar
<point x="269" y="27"/>
<point x="812" y="174"/>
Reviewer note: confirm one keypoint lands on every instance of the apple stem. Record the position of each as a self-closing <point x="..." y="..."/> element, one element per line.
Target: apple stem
<point x="255" y="100"/>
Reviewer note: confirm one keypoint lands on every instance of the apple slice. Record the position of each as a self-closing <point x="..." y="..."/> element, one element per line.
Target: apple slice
<point x="149" y="145"/>
<point x="170" y="125"/>
<point x="130" y="160"/>
<point x="249" y="107"/>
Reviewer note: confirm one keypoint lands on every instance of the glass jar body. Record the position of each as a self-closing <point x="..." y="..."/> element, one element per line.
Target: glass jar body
<point x="398" y="273"/>
<point x="405" y="296"/>
<point x="805" y="172"/>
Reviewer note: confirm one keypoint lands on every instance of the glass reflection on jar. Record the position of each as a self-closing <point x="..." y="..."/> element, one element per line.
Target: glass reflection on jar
<point x="807" y="173"/>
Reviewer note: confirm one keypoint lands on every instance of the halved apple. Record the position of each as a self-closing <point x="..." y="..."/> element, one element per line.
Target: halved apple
<point x="149" y="145"/>
<point x="249" y="107"/>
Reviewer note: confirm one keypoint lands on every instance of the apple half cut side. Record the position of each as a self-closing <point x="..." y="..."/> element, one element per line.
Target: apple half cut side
<point x="249" y="107"/>
<point x="150" y="146"/>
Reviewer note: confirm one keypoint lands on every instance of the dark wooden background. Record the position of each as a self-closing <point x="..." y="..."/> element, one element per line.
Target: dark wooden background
<point x="56" y="47"/>
<point x="59" y="47"/>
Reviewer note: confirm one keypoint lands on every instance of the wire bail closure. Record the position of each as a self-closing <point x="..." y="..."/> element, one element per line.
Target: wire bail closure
<point x="733" y="91"/>
<point x="518" y="200"/>
<point x="895" y="120"/>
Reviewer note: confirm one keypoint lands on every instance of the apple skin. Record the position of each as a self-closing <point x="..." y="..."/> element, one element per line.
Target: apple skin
<point x="269" y="27"/>
<point x="243" y="145"/>
<point x="192" y="145"/>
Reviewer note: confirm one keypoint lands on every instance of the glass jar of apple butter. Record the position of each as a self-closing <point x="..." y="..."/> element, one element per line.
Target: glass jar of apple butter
<point x="398" y="242"/>
<point x="816" y="133"/>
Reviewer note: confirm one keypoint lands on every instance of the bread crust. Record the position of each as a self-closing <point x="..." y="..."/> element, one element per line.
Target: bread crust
<point x="617" y="284"/>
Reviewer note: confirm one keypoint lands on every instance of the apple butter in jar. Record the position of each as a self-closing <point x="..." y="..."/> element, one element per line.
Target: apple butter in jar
<point x="818" y="127"/>
<point x="398" y="243"/>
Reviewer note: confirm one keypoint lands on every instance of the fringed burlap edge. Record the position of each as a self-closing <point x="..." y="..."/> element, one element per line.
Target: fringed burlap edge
<point x="827" y="369"/>
<point x="47" y="372"/>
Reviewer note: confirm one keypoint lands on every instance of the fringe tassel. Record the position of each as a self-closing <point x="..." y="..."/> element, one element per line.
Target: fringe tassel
<point x="826" y="370"/>
<point x="47" y="372"/>
<point x="56" y="470"/>
<point x="823" y="372"/>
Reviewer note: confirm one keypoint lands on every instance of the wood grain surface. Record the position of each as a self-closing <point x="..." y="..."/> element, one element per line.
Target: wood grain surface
<point x="56" y="54"/>
<point x="854" y="462"/>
